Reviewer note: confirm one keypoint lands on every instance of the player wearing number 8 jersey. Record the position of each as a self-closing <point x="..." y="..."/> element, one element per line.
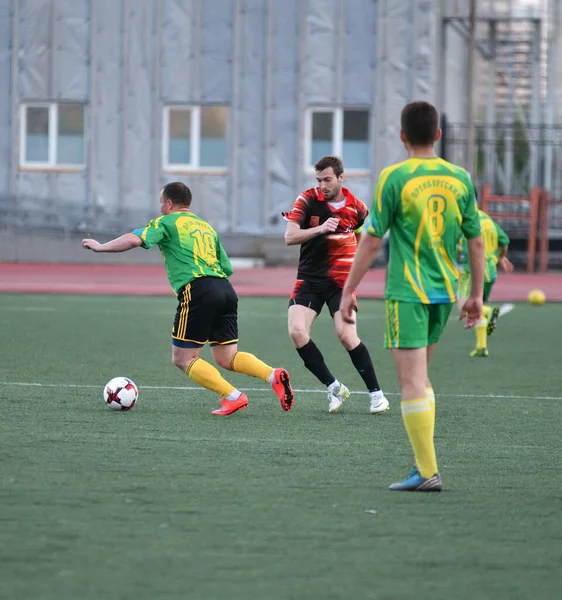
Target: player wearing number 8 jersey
<point x="198" y="270"/>
<point x="425" y="202"/>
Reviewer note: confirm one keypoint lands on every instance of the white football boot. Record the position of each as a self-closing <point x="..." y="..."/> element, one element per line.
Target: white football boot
<point x="379" y="403"/>
<point x="337" y="398"/>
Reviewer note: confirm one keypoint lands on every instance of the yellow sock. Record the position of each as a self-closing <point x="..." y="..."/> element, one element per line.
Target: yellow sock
<point x="248" y="364"/>
<point x="208" y="377"/>
<point x="481" y="334"/>
<point x="430" y="395"/>
<point x="486" y="310"/>
<point x="418" y="420"/>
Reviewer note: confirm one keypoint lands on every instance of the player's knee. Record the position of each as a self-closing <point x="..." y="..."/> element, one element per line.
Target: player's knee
<point x="299" y="335"/>
<point x="348" y="338"/>
<point x="181" y="359"/>
<point x="224" y="362"/>
<point x="178" y="362"/>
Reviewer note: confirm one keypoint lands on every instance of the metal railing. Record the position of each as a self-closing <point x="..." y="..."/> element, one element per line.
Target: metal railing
<point x="512" y="158"/>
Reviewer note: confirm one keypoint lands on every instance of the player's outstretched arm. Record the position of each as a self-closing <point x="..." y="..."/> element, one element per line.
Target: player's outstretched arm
<point x="367" y="251"/>
<point x="120" y="244"/>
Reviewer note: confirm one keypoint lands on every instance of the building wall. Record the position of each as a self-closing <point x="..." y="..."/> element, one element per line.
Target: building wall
<point x="268" y="60"/>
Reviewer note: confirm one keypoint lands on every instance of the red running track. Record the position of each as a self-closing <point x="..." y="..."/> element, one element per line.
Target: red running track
<point x="150" y="280"/>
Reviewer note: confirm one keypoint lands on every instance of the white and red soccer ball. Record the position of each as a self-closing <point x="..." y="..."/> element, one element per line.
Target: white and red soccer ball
<point x="120" y="393"/>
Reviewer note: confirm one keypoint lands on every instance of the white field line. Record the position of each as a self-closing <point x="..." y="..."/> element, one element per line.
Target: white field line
<point x="242" y="314"/>
<point x="264" y="389"/>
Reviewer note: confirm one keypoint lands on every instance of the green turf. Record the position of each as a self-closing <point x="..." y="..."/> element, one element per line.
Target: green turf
<point x="168" y="502"/>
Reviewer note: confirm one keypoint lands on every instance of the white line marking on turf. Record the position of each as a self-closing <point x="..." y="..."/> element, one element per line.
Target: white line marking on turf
<point x="263" y="389"/>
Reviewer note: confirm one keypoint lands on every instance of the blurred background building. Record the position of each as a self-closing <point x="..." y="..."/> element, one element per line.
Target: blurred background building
<point x="105" y="101"/>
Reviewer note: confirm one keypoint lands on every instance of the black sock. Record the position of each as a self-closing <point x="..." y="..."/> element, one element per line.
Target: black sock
<point x="314" y="362"/>
<point x="361" y="360"/>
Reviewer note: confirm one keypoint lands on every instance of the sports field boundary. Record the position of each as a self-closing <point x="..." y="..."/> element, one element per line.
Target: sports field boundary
<point x="194" y="388"/>
<point x="150" y="280"/>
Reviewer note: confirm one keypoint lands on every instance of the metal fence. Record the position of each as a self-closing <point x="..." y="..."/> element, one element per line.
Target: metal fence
<point x="512" y="158"/>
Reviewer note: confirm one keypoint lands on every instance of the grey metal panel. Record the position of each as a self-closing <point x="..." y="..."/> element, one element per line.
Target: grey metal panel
<point x="138" y="112"/>
<point x="399" y="76"/>
<point x="34" y="52"/>
<point x="5" y="97"/>
<point x="361" y="188"/>
<point x="248" y="195"/>
<point x="217" y="41"/>
<point x="397" y="67"/>
<point x="323" y="52"/>
<point x="359" y="52"/>
<point x="283" y="113"/>
<point x="32" y="184"/>
<point x="107" y="83"/>
<point x="69" y="187"/>
<point x="210" y="197"/>
<point x="71" y="49"/>
<point x="210" y="200"/>
<point x="425" y="22"/>
<point x="176" y="50"/>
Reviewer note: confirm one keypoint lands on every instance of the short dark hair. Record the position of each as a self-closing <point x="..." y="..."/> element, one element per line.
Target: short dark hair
<point x="330" y="161"/>
<point x="178" y="193"/>
<point x="419" y="122"/>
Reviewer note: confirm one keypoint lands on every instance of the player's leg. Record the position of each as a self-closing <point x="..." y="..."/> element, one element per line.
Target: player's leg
<point x="430" y="395"/>
<point x="304" y="306"/>
<point x="482" y="328"/>
<point x="407" y="333"/>
<point x="492" y="313"/>
<point x="224" y="347"/>
<point x="197" y="304"/>
<point x="429" y="391"/>
<point x="438" y="317"/>
<point x="359" y="354"/>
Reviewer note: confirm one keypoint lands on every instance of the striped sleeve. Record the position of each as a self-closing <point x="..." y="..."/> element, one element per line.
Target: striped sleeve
<point x="152" y="234"/>
<point x="299" y="212"/>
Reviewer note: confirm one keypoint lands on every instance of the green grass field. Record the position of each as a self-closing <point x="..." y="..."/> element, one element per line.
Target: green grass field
<point x="168" y="502"/>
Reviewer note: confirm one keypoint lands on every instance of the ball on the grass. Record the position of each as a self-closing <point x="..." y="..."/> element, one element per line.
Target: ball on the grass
<point x="120" y="393"/>
<point x="536" y="297"/>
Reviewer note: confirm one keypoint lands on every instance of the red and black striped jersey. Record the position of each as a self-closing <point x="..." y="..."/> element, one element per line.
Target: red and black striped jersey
<point x="328" y="257"/>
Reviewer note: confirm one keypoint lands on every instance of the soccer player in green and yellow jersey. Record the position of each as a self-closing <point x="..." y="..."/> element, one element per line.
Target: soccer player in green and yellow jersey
<point x="425" y="202"/>
<point x="496" y="243"/>
<point x="198" y="270"/>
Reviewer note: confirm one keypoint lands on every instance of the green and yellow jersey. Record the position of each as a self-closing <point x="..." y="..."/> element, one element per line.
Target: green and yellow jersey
<point x="190" y="246"/>
<point x="426" y="203"/>
<point x="494" y="238"/>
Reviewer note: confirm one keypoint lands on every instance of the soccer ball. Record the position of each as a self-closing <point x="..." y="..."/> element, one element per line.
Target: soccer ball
<point x="120" y="393"/>
<point x="536" y="297"/>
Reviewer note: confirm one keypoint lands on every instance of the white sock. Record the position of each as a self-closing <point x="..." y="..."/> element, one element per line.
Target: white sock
<point x="235" y="395"/>
<point x="334" y="386"/>
<point x="271" y="377"/>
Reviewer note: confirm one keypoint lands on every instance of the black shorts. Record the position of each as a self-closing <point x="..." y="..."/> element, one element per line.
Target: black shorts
<point x="315" y="295"/>
<point x="207" y="312"/>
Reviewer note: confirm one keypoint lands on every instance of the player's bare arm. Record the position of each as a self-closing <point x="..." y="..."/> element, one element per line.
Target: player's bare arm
<point x="472" y="308"/>
<point x="120" y="244"/>
<point x="367" y="251"/>
<point x="294" y="235"/>
<point x="503" y="261"/>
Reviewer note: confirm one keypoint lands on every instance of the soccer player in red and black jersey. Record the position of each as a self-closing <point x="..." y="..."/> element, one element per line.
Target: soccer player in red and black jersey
<point x="326" y="222"/>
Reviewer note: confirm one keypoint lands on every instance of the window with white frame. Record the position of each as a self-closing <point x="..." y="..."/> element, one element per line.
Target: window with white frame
<point x="342" y="132"/>
<point x="194" y="137"/>
<point x="52" y="135"/>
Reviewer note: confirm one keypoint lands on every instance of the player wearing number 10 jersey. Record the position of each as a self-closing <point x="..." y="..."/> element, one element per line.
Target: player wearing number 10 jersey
<point x="496" y="243"/>
<point x="425" y="202"/>
<point x="198" y="270"/>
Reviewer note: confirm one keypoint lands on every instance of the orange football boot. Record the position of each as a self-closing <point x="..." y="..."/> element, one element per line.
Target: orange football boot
<point x="282" y="387"/>
<point x="231" y="406"/>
